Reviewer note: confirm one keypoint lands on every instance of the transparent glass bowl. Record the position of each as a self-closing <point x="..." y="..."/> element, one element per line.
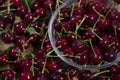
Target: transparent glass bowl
<point x="51" y="34"/>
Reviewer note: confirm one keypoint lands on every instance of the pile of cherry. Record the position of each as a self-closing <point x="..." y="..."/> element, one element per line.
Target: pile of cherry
<point x="86" y="31"/>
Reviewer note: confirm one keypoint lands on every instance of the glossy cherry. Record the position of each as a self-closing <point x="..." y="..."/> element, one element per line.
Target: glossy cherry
<point x="8" y="74"/>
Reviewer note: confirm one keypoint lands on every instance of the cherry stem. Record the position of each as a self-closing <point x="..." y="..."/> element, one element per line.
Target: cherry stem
<point x="24" y="44"/>
<point x="97" y="12"/>
<point x="78" y="26"/>
<point x="73" y="6"/>
<point x="68" y="75"/>
<point x="51" y="9"/>
<point x="46" y="60"/>
<point x="36" y="18"/>
<point x="111" y="7"/>
<point x="90" y="41"/>
<point x="115" y="30"/>
<point x="7" y="10"/>
<point x="44" y="40"/>
<point x="58" y="34"/>
<point x="8" y="6"/>
<point x="75" y="34"/>
<point x="95" y="34"/>
<point x="100" y="64"/>
<point x="59" y="15"/>
<point x="111" y="44"/>
<point x="32" y="67"/>
<point x="80" y="3"/>
<point x="26" y="1"/>
<point x="95" y="75"/>
<point x="5" y="78"/>
<point x="96" y="23"/>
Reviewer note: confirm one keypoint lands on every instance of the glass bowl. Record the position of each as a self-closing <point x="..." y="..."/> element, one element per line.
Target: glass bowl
<point x="52" y="37"/>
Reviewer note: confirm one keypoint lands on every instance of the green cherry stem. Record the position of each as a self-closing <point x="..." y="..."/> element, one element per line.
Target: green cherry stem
<point x="92" y="30"/>
<point x="68" y="75"/>
<point x="43" y="69"/>
<point x="73" y="6"/>
<point x="26" y="2"/>
<point x="78" y="26"/>
<point x="45" y="36"/>
<point x="8" y="6"/>
<point x="5" y="78"/>
<point x="111" y="44"/>
<point x="91" y="45"/>
<point x="32" y="67"/>
<point x="97" y="12"/>
<point x="7" y="10"/>
<point x="96" y="22"/>
<point x="115" y="30"/>
<point x="95" y="75"/>
<point x="36" y="18"/>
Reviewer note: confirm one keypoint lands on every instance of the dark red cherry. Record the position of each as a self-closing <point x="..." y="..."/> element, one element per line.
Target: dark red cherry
<point x="76" y="47"/>
<point x="89" y="35"/>
<point x="110" y="56"/>
<point x="26" y="65"/>
<point x="14" y="52"/>
<point x="71" y="37"/>
<point x="65" y="12"/>
<point x="78" y="11"/>
<point x="40" y="63"/>
<point x="81" y="2"/>
<point x="49" y="4"/>
<point x="2" y="25"/>
<point x="22" y="42"/>
<point x="75" y="20"/>
<point x="29" y="17"/>
<point x="53" y="65"/>
<point x="62" y="43"/>
<point x="48" y="47"/>
<point x="41" y="76"/>
<point x="41" y="12"/>
<point x="73" y="72"/>
<point x="116" y="77"/>
<point x="81" y="58"/>
<point x="16" y="3"/>
<point x="57" y="27"/>
<point x="19" y="28"/>
<point x="21" y="11"/>
<point x="68" y="51"/>
<point x="36" y="26"/>
<point x="41" y="53"/>
<point x="4" y="58"/>
<point x="97" y="57"/>
<point x="86" y="74"/>
<point x="57" y="76"/>
<point x="35" y="39"/>
<point x="26" y="75"/>
<point x="9" y="18"/>
<point x="91" y="19"/>
<point x="17" y="66"/>
<point x="105" y="41"/>
<point x="116" y="44"/>
<point x="9" y="37"/>
<point x="8" y="74"/>
<point x="113" y="69"/>
<point x="35" y="5"/>
<point x="104" y="23"/>
<point x="66" y="26"/>
<point x="92" y="4"/>
<point x="117" y="1"/>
